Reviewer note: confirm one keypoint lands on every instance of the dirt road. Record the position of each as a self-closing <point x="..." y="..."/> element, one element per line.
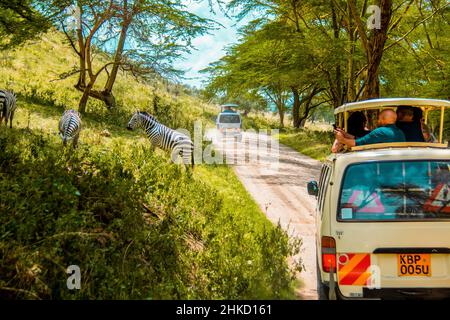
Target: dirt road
<point x="276" y="177"/>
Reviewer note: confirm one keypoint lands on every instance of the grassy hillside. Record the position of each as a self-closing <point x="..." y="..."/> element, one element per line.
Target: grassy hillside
<point x="34" y="71"/>
<point x="138" y="226"/>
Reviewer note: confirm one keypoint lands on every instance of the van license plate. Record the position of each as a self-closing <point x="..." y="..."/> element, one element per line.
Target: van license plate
<point x="418" y="265"/>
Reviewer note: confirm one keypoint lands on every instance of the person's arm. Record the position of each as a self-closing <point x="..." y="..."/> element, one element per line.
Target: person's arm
<point x="346" y="135"/>
<point x="342" y="139"/>
<point x="337" y="146"/>
<point x="374" y="136"/>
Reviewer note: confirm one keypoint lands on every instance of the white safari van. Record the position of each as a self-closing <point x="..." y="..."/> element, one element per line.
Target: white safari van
<point x="383" y="215"/>
<point x="229" y="122"/>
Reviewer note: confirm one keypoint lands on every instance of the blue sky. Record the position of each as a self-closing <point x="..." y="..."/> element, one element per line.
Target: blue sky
<point x="210" y="47"/>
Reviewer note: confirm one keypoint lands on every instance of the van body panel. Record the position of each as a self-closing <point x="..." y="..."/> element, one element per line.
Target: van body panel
<point x="386" y="244"/>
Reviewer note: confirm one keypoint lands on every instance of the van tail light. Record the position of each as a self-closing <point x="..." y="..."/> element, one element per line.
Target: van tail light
<point x="328" y="254"/>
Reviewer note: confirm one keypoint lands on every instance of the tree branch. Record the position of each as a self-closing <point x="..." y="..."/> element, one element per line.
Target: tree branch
<point x="66" y="75"/>
<point x="359" y="26"/>
<point x="415" y="26"/>
<point x="395" y="24"/>
<point x="72" y="44"/>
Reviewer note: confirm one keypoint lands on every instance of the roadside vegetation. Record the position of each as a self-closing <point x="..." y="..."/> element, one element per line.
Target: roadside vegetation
<point x="313" y="140"/>
<point x="138" y="226"/>
<point x="258" y="122"/>
<point x="313" y="143"/>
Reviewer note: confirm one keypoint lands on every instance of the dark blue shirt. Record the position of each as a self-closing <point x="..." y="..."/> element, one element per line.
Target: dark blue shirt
<point x="389" y="133"/>
<point x="412" y="130"/>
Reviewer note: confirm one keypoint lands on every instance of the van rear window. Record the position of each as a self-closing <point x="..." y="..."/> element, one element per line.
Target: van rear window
<point x="400" y="190"/>
<point x="229" y="118"/>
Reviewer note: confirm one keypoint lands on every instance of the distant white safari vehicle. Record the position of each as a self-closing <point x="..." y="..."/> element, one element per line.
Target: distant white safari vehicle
<point x="383" y="215"/>
<point x="229" y="122"/>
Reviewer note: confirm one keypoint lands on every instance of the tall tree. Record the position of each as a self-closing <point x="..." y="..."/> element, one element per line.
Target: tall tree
<point x="342" y="25"/>
<point x="140" y="36"/>
<point x="373" y="44"/>
<point x="280" y="58"/>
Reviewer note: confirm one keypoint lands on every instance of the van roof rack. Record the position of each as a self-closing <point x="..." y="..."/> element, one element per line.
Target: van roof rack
<point x="428" y="104"/>
<point x="399" y="145"/>
<point x="228" y="107"/>
<point x="342" y="112"/>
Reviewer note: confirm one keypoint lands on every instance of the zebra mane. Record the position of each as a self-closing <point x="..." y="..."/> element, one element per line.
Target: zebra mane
<point x="145" y="113"/>
<point x="71" y="111"/>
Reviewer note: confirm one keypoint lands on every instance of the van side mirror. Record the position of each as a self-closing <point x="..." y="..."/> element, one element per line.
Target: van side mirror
<point x="313" y="188"/>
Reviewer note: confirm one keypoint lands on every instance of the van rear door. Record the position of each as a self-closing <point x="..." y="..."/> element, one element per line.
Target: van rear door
<point x="393" y="221"/>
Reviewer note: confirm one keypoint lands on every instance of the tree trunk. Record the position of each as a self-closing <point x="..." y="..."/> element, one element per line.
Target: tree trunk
<point x="302" y="123"/>
<point x="373" y="46"/>
<point x="338" y="90"/>
<point x="351" y="79"/>
<point x="281" y="113"/>
<point x="306" y="109"/>
<point x="105" y="97"/>
<point x="82" y="54"/>
<point x="376" y="47"/>
<point x="296" y="108"/>
<point x="338" y="72"/>
<point x="111" y="101"/>
<point x="307" y="101"/>
<point x="85" y="97"/>
<point x="280" y="106"/>
<point x="372" y="86"/>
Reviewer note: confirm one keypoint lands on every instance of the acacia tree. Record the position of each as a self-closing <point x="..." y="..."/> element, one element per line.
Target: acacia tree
<point x="342" y="24"/>
<point x="280" y="60"/>
<point x="251" y="66"/>
<point x="140" y="36"/>
<point x="369" y="32"/>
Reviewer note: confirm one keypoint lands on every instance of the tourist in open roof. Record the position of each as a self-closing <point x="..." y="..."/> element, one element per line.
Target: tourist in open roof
<point x="386" y="132"/>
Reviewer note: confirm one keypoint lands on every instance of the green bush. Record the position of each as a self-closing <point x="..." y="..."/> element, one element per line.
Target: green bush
<point x="259" y="122"/>
<point x="138" y="226"/>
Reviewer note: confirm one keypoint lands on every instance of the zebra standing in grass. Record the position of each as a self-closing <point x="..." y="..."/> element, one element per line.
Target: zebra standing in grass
<point x="70" y="127"/>
<point x="163" y="137"/>
<point x="7" y="106"/>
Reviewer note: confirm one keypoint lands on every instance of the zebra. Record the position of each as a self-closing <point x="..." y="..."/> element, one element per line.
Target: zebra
<point x="163" y="137"/>
<point x="7" y="106"/>
<point x="70" y="127"/>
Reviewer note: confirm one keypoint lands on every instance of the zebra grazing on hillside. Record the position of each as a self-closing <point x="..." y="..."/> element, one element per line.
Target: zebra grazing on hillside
<point x="70" y="127"/>
<point x="7" y="106"/>
<point x="163" y="137"/>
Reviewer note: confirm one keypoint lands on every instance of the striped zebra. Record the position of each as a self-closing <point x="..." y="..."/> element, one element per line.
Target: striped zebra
<point x="70" y="127"/>
<point x="7" y="106"/>
<point x="163" y="137"/>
